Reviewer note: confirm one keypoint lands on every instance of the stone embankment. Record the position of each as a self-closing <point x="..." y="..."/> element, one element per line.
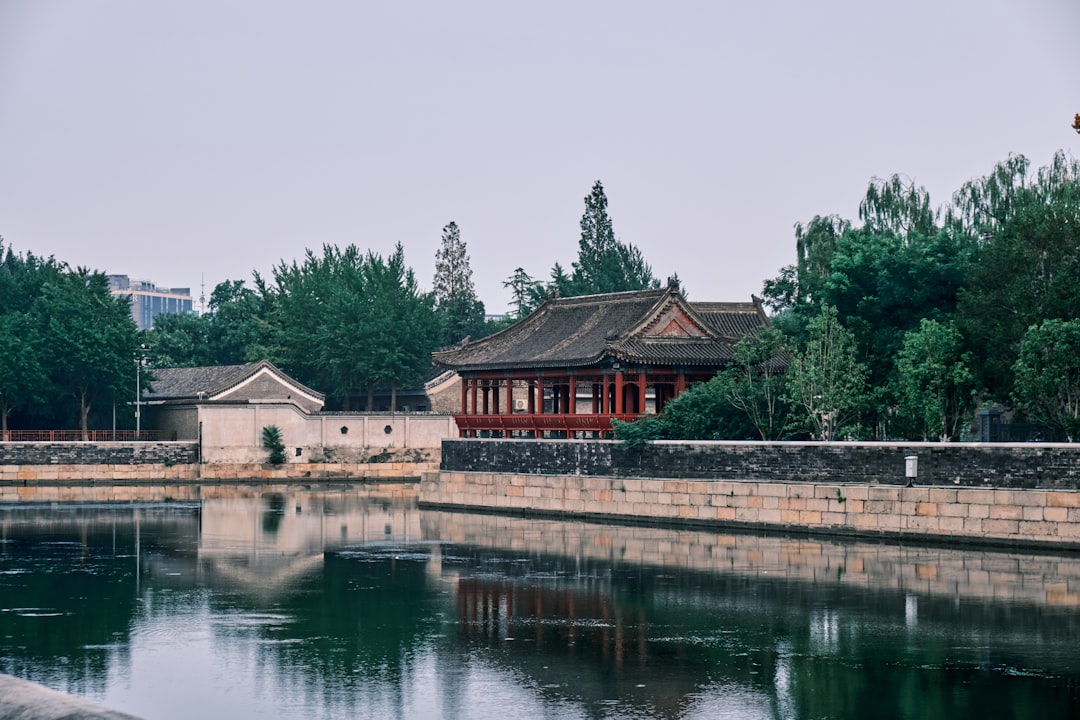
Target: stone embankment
<point x="29" y="464"/>
<point x="985" y="494"/>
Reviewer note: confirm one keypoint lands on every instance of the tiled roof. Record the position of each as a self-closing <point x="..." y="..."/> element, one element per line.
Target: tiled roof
<point x="732" y="319"/>
<point x="654" y="326"/>
<point x="189" y="383"/>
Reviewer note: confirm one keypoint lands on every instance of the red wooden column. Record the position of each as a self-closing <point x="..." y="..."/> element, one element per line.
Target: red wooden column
<point x="643" y="381"/>
<point x="540" y="396"/>
<point x="475" y="385"/>
<point x="571" y="396"/>
<point x="680" y="384"/>
<point x="604" y="399"/>
<point x="618" y="393"/>
<point x="509" y="396"/>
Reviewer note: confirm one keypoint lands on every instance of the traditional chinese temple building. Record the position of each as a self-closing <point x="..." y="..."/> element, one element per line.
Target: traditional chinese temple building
<point x="575" y="363"/>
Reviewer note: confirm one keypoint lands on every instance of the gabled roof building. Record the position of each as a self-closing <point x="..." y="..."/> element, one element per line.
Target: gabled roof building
<point x="630" y="353"/>
<point x="176" y="397"/>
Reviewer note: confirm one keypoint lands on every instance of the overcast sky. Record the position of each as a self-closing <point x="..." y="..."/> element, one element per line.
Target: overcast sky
<point x="197" y="141"/>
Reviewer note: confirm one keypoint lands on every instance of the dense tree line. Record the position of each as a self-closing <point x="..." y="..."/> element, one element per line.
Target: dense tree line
<point x="67" y="345"/>
<point x="896" y="325"/>
<point x="903" y="325"/>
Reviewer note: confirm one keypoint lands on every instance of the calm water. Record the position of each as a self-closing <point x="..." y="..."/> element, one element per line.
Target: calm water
<point x="308" y="602"/>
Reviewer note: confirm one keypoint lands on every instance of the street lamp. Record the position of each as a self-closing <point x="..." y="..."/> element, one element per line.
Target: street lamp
<point x="140" y="358"/>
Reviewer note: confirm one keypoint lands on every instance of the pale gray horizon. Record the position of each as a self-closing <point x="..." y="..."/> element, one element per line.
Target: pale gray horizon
<point x="194" y="142"/>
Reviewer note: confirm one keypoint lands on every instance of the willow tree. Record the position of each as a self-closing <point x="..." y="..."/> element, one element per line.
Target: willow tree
<point x="1026" y="265"/>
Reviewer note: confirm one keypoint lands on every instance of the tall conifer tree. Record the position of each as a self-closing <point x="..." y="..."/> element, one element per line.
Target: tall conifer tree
<point x="460" y="311"/>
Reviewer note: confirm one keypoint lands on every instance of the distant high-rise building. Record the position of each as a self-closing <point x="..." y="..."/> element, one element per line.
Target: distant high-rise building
<point x="148" y="300"/>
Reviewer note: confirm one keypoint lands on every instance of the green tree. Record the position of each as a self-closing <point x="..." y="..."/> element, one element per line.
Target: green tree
<point x="1048" y="375"/>
<point x="24" y="383"/>
<point x="459" y="310"/>
<point x="238" y="323"/>
<point x="271" y="440"/>
<point x="1026" y="265"/>
<point x="755" y="383"/>
<point x="181" y="340"/>
<point x="345" y="321"/>
<point x="403" y="325"/>
<point x="936" y="385"/>
<point x="525" y="292"/>
<point x="604" y="264"/>
<point x="826" y="384"/>
<point x="90" y="339"/>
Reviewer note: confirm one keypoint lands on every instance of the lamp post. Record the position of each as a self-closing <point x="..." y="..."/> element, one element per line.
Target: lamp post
<point x="140" y="357"/>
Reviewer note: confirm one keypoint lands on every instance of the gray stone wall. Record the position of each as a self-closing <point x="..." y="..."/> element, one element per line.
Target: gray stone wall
<point x="1032" y="465"/>
<point x="86" y="453"/>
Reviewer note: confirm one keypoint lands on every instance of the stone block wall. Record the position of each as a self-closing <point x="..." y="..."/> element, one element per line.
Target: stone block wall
<point x="105" y="453"/>
<point x="1031" y="465"/>
<point x="1021" y="517"/>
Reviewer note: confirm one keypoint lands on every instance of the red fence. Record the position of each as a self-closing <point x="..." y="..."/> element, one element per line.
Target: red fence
<point x="77" y="436"/>
<point x="537" y="425"/>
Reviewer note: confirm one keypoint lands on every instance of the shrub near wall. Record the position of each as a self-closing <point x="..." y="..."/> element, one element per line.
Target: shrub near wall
<point x="1032" y="465"/>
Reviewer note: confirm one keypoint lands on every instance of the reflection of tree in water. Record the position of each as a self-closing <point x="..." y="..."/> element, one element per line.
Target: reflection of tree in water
<point x="362" y="619"/>
<point x="273" y="514"/>
<point x="68" y="590"/>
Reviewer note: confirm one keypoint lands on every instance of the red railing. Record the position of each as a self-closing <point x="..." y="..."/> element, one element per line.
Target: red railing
<point x="77" y="436"/>
<point x="537" y="425"/>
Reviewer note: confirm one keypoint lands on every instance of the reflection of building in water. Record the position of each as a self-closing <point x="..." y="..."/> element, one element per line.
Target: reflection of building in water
<point x="265" y="541"/>
<point x="588" y="609"/>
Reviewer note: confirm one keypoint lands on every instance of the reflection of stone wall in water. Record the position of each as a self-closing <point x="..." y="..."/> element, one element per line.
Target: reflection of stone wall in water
<point x="1027" y="578"/>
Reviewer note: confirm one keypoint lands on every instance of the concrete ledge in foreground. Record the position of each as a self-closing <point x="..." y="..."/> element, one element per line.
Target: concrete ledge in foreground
<point x="24" y="700"/>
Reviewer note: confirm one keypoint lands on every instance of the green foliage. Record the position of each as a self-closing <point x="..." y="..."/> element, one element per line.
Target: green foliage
<point x="346" y="321"/>
<point x="181" y="340"/>
<point x="935" y="384"/>
<point x="1047" y="373"/>
<point x="604" y="264"/>
<point x="826" y="384"/>
<point x="525" y="292"/>
<point x="271" y="440"/>
<point x="997" y="260"/>
<point x="638" y="433"/>
<point x="91" y="338"/>
<point x="755" y="383"/>
<point x="459" y="310"/>
<point x="705" y="412"/>
<point x="1027" y="265"/>
<point x="230" y="333"/>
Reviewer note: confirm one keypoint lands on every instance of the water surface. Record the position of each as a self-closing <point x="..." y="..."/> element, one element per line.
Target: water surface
<point x="337" y="602"/>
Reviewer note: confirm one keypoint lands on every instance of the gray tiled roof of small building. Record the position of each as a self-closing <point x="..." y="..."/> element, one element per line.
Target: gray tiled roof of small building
<point x="182" y="383"/>
<point x="188" y="382"/>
